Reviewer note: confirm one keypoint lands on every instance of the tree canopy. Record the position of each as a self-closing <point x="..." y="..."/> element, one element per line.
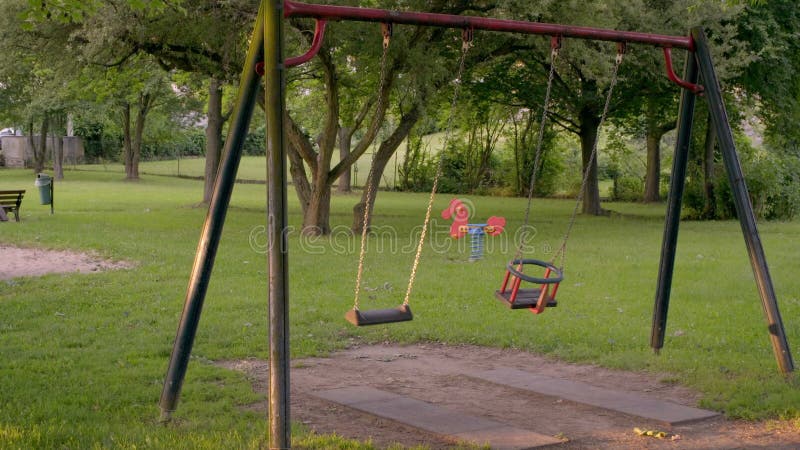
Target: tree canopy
<point x="104" y="55"/>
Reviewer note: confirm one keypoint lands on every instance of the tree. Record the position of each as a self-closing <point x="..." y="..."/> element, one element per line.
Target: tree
<point x="581" y="80"/>
<point x="348" y="66"/>
<point x="483" y="127"/>
<point x="771" y="81"/>
<point x="202" y="37"/>
<point x="757" y="56"/>
<point x="652" y="113"/>
<point x="657" y="126"/>
<point x="133" y="90"/>
<point x="521" y="131"/>
<point x="315" y="149"/>
<point x="314" y="188"/>
<point x="35" y="91"/>
<point x="583" y="70"/>
<point x="216" y="56"/>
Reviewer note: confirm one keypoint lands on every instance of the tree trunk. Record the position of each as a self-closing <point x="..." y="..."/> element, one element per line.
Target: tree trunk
<point x="523" y="154"/>
<point x="385" y="151"/>
<point x="58" y="149"/>
<point x="58" y="157"/>
<point x="127" y="150"/>
<point x="213" y="137"/>
<point x="652" y="184"/>
<point x="316" y="217"/>
<point x="710" y="209"/>
<point x="136" y="148"/>
<point x="39" y="149"/>
<point x="517" y="153"/>
<point x="481" y="142"/>
<point x="132" y="141"/>
<point x="31" y="144"/>
<point x="345" y="140"/>
<point x="589" y="122"/>
<point x="145" y="101"/>
<point x="652" y="179"/>
<point x="492" y="129"/>
<point x="315" y="195"/>
<point x="655" y="131"/>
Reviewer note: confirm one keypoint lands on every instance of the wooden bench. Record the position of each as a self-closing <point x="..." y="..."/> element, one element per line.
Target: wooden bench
<point x="11" y="201"/>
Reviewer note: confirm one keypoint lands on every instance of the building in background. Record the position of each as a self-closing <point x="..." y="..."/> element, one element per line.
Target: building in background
<point x="16" y="151"/>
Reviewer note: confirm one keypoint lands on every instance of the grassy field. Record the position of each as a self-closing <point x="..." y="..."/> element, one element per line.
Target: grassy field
<point x="83" y="357"/>
<point x="253" y="168"/>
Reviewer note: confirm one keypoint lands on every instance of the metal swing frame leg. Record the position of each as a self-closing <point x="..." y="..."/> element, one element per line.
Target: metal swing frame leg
<point x="675" y="201"/>
<point x="212" y="227"/>
<point x="701" y="63"/>
<point x="268" y="29"/>
<point x="280" y="430"/>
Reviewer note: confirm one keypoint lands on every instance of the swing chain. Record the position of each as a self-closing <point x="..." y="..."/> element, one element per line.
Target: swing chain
<point x="562" y="250"/>
<point x="387" y="35"/>
<point x="555" y="44"/>
<point x="466" y="36"/>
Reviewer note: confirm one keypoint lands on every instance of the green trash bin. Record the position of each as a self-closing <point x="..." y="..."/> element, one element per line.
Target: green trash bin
<point x="44" y="182"/>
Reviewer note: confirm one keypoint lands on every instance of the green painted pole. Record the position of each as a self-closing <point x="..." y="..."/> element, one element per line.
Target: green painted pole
<point x="274" y="106"/>
<point x="741" y="198"/>
<point x="212" y="228"/>
<point x="675" y="201"/>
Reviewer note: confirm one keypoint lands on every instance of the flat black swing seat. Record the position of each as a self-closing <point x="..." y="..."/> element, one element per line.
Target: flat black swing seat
<point x="526" y="298"/>
<point x="378" y="316"/>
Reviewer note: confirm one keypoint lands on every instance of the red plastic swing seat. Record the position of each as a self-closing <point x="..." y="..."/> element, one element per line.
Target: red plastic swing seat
<point x="534" y="299"/>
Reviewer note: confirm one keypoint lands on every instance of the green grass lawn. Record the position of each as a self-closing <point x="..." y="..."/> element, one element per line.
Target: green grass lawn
<point x="83" y="357"/>
<point x="253" y="168"/>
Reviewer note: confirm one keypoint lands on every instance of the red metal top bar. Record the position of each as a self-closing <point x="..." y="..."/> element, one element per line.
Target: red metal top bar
<point x="328" y="12"/>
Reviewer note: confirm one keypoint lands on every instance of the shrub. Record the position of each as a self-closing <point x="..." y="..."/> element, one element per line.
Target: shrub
<point x="627" y="189"/>
<point x="98" y="143"/>
<point x="418" y="168"/>
<point x="183" y="143"/>
<point x="773" y="183"/>
<point x="548" y="180"/>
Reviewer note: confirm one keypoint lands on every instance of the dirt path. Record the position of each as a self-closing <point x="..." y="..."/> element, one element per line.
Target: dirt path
<point x="435" y="374"/>
<point x="32" y="262"/>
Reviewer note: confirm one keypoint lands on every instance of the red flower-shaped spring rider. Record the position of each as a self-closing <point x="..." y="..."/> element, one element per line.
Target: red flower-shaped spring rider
<point x="459" y="212"/>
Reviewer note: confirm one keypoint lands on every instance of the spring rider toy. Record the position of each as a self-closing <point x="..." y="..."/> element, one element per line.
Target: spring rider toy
<point x="461" y="227"/>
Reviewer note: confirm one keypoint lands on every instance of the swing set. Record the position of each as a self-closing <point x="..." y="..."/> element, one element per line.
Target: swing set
<point x="265" y="59"/>
<point x="533" y="299"/>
